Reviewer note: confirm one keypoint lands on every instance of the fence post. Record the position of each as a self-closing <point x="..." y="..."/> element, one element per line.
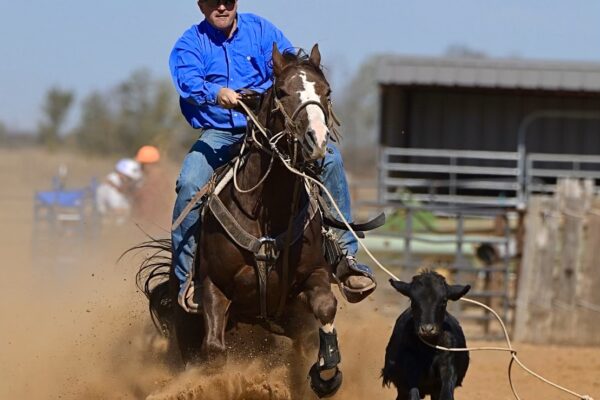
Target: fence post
<point x="587" y="294"/>
<point x="408" y="234"/>
<point x="574" y="200"/>
<point x="559" y="262"/>
<point x="382" y="175"/>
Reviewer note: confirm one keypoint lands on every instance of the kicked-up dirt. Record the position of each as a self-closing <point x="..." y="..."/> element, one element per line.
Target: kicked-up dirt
<point x="76" y="327"/>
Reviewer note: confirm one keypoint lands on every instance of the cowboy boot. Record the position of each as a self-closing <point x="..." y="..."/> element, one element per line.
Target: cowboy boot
<point x="358" y="280"/>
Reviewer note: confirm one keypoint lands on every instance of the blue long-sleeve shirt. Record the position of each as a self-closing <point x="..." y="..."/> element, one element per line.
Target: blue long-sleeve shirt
<point x="203" y="61"/>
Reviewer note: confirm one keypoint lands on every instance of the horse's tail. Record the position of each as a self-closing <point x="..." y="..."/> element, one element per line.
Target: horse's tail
<point x="153" y="280"/>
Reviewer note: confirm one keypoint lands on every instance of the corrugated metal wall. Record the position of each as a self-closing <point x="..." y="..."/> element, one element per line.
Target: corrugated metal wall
<point x="485" y="119"/>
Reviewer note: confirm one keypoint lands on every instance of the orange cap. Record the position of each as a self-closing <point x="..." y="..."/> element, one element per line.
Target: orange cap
<point x="147" y="155"/>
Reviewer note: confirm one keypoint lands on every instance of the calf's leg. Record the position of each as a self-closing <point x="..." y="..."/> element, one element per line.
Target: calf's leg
<point x="413" y="394"/>
<point x="448" y="377"/>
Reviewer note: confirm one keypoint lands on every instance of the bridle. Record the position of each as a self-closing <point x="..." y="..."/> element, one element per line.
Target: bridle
<point x="290" y="122"/>
<point x="290" y="131"/>
<point x="291" y="126"/>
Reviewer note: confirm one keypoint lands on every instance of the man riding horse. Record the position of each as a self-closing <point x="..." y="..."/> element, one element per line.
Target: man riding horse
<point x="210" y="64"/>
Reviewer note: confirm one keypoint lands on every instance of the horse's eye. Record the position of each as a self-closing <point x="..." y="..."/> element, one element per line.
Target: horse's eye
<point x="282" y="93"/>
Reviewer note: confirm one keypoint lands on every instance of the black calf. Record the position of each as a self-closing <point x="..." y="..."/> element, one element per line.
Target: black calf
<point x="415" y="368"/>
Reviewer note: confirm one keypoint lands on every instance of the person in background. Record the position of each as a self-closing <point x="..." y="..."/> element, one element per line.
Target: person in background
<point x="147" y="156"/>
<point x="114" y="193"/>
<point x="154" y="195"/>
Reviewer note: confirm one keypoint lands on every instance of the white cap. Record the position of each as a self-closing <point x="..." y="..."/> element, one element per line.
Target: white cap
<point x="130" y="168"/>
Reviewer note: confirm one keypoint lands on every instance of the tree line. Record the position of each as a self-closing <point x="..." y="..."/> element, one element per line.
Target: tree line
<point x="140" y="110"/>
<point x="145" y="110"/>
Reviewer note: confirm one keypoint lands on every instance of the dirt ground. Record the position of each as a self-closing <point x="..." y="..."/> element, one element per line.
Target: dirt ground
<point x="77" y="328"/>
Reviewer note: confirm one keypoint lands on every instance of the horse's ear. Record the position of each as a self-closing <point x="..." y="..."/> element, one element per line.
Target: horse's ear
<point x="315" y="56"/>
<point x="278" y="60"/>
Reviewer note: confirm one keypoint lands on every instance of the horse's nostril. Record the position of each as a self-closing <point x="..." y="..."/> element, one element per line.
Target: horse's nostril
<point x="313" y="145"/>
<point x="311" y="138"/>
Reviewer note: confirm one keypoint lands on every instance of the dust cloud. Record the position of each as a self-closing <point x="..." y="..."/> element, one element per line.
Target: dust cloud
<point x="78" y="328"/>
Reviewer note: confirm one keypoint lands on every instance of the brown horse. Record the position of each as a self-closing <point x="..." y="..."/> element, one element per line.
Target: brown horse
<point x="268" y="202"/>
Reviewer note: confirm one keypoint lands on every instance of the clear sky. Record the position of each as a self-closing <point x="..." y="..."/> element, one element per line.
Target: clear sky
<point x="84" y="45"/>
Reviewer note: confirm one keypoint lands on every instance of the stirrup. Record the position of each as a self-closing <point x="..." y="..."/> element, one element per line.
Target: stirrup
<point x="348" y="268"/>
<point x="188" y="298"/>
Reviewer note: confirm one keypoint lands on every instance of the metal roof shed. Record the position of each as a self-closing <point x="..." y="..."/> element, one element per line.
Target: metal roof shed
<point x="478" y="103"/>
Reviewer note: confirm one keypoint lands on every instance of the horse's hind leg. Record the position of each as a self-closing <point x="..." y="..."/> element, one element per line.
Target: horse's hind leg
<point x="186" y="331"/>
<point x="302" y="328"/>
<point x="187" y="335"/>
<point x="325" y="376"/>
<point x="215" y="307"/>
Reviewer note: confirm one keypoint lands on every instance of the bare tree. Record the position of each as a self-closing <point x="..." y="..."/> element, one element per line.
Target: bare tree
<point x="140" y="110"/>
<point x="3" y="133"/>
<point x="55" y="108"/>
<point x="97" y="129"/>
<point x="358" y="108"/>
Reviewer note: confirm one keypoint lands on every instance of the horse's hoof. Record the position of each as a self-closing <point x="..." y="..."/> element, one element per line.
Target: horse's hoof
<point x="324" y="387"/>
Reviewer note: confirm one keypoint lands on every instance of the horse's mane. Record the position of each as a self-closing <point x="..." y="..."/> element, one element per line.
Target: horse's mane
<point x="298" y="57"/>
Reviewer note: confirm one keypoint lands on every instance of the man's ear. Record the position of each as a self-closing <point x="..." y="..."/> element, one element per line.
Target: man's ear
<point x="315" y="56"/>
<point x="400" y="286"/>
<point x="455" y="292"/>
<point x="278" y="60"/>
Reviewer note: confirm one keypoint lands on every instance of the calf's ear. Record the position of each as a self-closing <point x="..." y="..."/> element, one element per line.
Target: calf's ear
<point x="455" y="292"/>
<point x="400" y="286"/>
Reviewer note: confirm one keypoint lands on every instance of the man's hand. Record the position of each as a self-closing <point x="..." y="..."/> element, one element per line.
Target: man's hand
<point x="227" y="98"/>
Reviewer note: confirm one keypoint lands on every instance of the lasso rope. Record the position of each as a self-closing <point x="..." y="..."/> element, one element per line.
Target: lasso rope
<point x="509" y="347"/>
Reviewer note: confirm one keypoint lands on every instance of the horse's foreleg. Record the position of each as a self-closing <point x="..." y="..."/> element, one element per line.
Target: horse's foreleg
<point x="325" y="376"/>
<point x="323" y="304"/>
<point x="215" y="312"/>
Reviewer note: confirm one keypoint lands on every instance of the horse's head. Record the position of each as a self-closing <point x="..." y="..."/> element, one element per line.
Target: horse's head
<point x="301" y="94"/>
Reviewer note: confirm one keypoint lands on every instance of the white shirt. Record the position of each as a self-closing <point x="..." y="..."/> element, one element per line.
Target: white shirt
<point x="109" y="199"/>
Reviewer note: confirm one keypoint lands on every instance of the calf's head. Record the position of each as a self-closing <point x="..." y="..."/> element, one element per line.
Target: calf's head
<point x="429" y="294"/>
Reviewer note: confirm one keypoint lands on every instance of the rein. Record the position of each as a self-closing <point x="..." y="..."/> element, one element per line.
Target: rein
<point x="266" y="261"/>
<point x="288" y="244"/>
<point x="290" y="128"/>
<point x="331" y="120"/>
<point x="292" y="120"/>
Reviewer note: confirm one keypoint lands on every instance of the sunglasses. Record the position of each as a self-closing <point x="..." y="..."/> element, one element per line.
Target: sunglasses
<point x="217" y="3"/>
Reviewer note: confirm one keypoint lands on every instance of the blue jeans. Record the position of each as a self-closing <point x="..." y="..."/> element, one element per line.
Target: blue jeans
<point x="212" y="150"/>
<point x="334" y="179"/>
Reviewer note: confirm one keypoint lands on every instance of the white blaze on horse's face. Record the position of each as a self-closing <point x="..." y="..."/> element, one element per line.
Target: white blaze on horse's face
<point x="317" y="131"/>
